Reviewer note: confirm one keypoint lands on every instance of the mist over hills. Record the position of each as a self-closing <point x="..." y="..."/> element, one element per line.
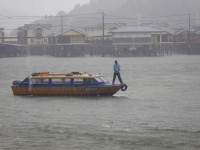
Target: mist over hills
<point x="176" y="10"/>
<point x="159" y="7"/>
<point x="98" y="6"/>
<point x="9" y="21"/>
<point x="130" y="12"/>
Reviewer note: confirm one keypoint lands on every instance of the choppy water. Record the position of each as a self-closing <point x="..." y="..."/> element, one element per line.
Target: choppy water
<point x="160" y="110"/>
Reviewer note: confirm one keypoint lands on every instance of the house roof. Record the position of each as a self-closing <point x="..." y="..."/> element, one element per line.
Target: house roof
<point x="193" y="30"/>
<point x="163" y="27"/>
<point x="106" y="25"/>
<point x="35" y="26"/>
<point x="179" y="30"/>
<point x="135" y="29"/>
<point x="68" y="29"/>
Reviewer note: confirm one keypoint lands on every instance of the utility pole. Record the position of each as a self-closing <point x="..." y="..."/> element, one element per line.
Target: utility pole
<point x="103" y="15"/>
<point x="61" y="29"/>
<point x="61" y="19"/>
<point x="189" y="35"/>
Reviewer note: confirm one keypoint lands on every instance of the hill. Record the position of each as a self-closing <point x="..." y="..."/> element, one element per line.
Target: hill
<point x="174" y="12"/>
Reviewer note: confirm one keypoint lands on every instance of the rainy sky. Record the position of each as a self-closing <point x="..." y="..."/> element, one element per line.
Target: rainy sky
<point x="39" y="7"/>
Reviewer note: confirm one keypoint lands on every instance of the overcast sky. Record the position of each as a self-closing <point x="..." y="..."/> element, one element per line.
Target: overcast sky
<point x="39" y="7"/>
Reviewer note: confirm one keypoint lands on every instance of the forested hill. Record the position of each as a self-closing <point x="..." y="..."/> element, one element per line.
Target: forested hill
<point x="158" y="7"/>
<point x="119" y="10"/>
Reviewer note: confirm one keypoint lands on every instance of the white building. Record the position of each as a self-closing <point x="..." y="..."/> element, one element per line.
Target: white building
<point x="137" y="36"/>
<point x="33" y="34"/>
<point x="95" y="33"/>
<point x="1" y="35"/>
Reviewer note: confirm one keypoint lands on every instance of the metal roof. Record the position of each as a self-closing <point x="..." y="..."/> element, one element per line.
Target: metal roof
<point x="56" y="32"/>
<point x="136" y="29"/>
<point x="35" y="26"/>
<point x="193" y="30"/>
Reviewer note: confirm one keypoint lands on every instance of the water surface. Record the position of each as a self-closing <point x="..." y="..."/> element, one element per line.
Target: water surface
<point x="160" y="109"/>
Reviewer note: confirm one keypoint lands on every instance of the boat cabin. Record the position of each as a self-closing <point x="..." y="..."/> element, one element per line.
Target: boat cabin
<point x="71" y="84"/>
<point x="72" y="79"/>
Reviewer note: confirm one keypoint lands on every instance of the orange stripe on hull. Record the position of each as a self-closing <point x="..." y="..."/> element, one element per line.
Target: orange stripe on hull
<point x="110" y="90"/>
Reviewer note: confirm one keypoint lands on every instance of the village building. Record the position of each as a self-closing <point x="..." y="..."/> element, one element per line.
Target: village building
<point x="185" y="35"/>
<point x="138" y="36"/>
<point x="194" y="34"/>
<point x="179" y="34"/>
<point x="1" y="35"/>
<point x="33" y="34"/>
<point x="11" y="40"/>
<point x="70" y="36"/>
<point x="95" y="33"/>
<point x="167" y="35"/>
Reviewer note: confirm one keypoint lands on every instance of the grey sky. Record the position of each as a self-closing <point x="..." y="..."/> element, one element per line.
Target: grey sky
<point x="39" y="7"/>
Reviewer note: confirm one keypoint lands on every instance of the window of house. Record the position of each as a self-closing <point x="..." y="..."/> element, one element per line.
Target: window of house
<point x="165" y="38"/>
<point x="38" y="33"/>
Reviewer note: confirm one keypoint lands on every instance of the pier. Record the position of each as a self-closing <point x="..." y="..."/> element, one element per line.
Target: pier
<point x="81" y="50"/>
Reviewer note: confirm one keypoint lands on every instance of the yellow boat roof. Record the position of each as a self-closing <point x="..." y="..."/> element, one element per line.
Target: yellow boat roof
<point x="68" y="75"/>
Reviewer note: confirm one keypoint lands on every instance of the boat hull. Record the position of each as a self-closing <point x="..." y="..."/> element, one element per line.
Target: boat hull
<point x="108" y="90"/>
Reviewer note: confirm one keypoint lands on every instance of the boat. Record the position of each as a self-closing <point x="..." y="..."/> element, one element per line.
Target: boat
<point x="70" y="84"/>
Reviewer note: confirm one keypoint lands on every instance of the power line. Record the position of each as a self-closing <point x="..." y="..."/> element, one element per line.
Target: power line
<point x="98" y="16"/>
<point x="48" y="16"/>
<point x="155" y="17"/>
<point x="97" y="13"/>
<point x="88" y="16"/>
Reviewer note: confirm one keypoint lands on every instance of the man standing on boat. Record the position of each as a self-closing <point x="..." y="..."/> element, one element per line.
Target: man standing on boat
<point x="116" y="68"/>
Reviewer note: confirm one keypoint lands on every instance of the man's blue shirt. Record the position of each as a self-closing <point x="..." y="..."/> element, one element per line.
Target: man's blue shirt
<point x="116" y="67"/>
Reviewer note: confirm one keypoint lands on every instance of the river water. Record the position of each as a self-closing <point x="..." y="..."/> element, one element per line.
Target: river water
<point x="159" y="111"/>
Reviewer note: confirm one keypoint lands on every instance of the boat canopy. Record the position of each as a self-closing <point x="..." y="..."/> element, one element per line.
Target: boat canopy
<point x="68" y="75"/>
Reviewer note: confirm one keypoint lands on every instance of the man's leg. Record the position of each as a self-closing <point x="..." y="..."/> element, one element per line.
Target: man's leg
<point x="119" y="77"/>
<point x="114" y="77"/>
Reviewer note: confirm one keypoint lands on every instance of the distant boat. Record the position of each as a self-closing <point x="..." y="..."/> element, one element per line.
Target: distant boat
<point x="71" y="84"/>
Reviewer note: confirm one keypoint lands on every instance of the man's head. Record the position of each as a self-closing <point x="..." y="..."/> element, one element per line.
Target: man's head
<point x="115" y="62"/>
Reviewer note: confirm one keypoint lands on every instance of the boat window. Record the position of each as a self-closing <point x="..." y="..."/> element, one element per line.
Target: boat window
<point x="39" y="81"/>
<point x="26" y="80"/>
<point x="99" y="80"/>
<point x="78" y="80"/>
<point x="104" y="80"/>
<point x="88" y="81"/>
<point x="44" y="81"/>
<point x="61" y="81"/>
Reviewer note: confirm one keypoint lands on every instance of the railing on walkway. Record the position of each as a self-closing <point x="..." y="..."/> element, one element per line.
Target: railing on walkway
<point x="80" y="50"/>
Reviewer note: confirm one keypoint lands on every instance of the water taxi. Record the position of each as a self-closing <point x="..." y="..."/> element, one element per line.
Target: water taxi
<point x="71" y="84"/>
